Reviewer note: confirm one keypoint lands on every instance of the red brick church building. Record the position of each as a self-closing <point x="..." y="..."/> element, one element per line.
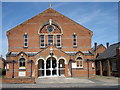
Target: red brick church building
<point x="49" y="44"/>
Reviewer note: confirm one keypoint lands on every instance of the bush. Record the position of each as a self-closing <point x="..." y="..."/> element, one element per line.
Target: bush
<point x="2" y="71"/>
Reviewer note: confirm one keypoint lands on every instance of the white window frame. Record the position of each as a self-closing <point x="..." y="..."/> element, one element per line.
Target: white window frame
<point x="57" y="42"/>
<point x="25" y="41"/>
<point x="73" y="40"/>
<point x="40" y="41"/>
<point x="52" y="39"/>
<point x="93" y="65"/>
<point x="22" y="67"/>
<point x="79" y="63"/>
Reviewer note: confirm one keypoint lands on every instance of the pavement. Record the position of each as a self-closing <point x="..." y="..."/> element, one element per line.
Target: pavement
<point x="63" y="82"/>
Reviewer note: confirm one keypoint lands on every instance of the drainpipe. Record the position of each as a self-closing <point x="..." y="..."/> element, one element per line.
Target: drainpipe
<point x="13" y="61"/>
<point x="71" y="66"/>
<point x="31" y="61"/>
<point x="87" y="60"/>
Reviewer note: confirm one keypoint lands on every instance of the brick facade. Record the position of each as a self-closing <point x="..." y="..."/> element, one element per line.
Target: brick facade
<point x="34" y="28"/>
<point x="19" y="80"/>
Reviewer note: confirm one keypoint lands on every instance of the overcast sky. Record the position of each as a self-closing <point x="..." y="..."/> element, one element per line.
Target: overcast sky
<point x="99" y="17"/>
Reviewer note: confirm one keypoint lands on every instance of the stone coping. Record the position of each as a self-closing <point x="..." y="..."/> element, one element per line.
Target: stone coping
<point x="20" y="80"/>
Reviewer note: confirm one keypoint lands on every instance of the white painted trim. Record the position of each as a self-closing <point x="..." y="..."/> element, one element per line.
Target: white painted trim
<point x="70" y="52"/>
<point x="36" y="63"/>
<point x="79" y="56"/>
<point x="53" y="39"/>
<point x="52" y="56"/>
<point x="79" y="65"/>
<point x="81" y="60"/>
<point x="73" y="41"/>
<point x="23" y="72"/>
<point x="44" y="42"/>
<point x="52" y="31"/>
<point x="60" y="41"/>
<point x="93" y="65"/>
<point x="54" y="34"/>
<point x="63" y="59"/>
<point x="24" y="40"/>
<point x="19" y="61"/>
<point x="85" y="51"/>
<point x="22" y="67"/>
<point x="51" y="34"/>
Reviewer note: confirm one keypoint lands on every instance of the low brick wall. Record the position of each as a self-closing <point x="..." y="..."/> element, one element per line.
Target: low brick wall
<point x="19" y="80"/>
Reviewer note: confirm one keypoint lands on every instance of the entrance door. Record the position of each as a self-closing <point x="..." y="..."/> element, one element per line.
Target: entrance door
<point x="61" y="67"/>
<point x="51" y="67"/>
<point x="41" y="68"/>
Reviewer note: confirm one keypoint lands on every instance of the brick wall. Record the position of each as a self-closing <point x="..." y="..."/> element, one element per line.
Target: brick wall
<point x="18" y="80"/>
<point x="16" y="40"/>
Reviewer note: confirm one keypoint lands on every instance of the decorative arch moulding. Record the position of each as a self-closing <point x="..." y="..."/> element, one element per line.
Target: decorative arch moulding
<point x="52" y="25"/>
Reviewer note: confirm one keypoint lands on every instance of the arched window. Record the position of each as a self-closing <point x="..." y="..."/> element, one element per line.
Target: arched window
<point x="22" y="62"/>
<point x="58" y="40"/>
<point x="74" y="40"/>
<point x="50" y="39"/>
<point x="25" y="40"/>
<point x="42" y="41"/>
<point x="79" y="61"/>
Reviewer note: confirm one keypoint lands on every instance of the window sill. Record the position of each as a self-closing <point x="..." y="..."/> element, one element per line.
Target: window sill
<point x="59" y="47"/>
<point x="74" y="46"/>
<point x="22" y="68"/>
<point x="42" y="46"/>
<point x="79" y="67"/>
<point x="25" y="47"/>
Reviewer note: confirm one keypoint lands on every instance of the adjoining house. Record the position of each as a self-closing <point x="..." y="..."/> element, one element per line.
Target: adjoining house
<point x="2" y="62"/>
<point x="2" y="65"/>
<point x="108" y="62"/>
<point x="97" y="49"/>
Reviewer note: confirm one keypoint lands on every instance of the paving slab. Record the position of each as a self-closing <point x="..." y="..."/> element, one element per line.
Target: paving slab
<point x="61" y="80"/>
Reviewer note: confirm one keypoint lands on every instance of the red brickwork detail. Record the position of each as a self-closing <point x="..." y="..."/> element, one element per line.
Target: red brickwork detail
<point x="18" y="80"/>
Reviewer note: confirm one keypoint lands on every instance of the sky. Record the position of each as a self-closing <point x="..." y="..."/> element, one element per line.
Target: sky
<point x="99" y="17"/>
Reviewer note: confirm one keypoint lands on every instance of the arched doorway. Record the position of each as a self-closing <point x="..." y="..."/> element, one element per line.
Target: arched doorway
<point x="61" y="67"/>
<point x="51" y="67"/>
<point x="41" y="67"/>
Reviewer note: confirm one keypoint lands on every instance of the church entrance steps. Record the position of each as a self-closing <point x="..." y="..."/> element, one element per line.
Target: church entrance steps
<point x="54" y="76"/>
<point x="54" y="80"/>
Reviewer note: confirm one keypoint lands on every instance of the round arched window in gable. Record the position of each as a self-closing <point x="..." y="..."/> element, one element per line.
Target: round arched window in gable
<point x="79" y="62"/>
<point x="50" y="28"/>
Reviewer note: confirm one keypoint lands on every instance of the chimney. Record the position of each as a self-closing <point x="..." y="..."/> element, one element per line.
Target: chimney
<point x="107" y="44"/>
<point x="95" y="46"/>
